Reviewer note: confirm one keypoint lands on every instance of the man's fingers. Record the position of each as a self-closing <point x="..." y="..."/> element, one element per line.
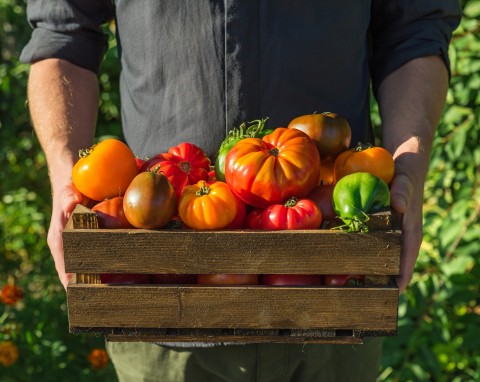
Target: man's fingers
<point x="70" y="197"/>
<point x="401" y="191"/>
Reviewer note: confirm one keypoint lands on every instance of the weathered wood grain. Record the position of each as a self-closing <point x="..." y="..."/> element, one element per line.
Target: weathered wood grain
<point x="188" y="251"/>
<point x="257" y="307"/>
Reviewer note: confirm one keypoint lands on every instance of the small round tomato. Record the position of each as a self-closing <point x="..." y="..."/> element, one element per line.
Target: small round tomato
<point x="293" y="214"/>
<point x="207" y="205"/>
<point x="105" y="170"/>
<point x="149" y="201"/>
<point x="365" y="158"/>
<point x="330" y="132"/>
<point x="227" y="279"/>
<point x="292" y="280"/>
<point x="344" y="280"/>
<point x="110" y="213"/>
<point x="323" y="198"/>
<point x="270" y="170"/>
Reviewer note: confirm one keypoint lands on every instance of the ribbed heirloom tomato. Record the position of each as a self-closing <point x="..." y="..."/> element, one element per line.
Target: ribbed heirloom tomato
<point x="207" y="205"/>
<point x="293" y="214"/>
<point x="105" y="170"/>
<point x="270" y="170"/>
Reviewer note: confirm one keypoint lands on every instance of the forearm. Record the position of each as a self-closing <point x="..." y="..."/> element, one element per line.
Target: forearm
<point x="411" y="102"/>
<point x="63" y="103"/>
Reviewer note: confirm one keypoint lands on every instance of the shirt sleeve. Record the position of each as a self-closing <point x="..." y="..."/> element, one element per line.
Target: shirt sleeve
<point x="69" y="30"/>
<point x="402" y="30"/>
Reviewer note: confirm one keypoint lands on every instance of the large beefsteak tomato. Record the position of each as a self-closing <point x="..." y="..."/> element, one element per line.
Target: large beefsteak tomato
<point x="270" y="170"/>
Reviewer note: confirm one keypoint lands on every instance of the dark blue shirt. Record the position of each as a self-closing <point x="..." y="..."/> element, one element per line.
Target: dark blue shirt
<point x="191" y="70"/>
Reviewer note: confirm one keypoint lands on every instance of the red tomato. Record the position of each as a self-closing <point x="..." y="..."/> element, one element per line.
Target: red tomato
<point x="105" y="170"/>
<point x="207" y="206"/>
<point x="110" y="214"/>
<point x="344" y="280"/>
<point x="254" y="219"/>
<point x="124" y="278"/>
<point x="293" y="214"/>
<point x="183" y="165"/>
<point x="323" y="197"/>
<point x="365" y="158"/>
<point x="270" y="170"/>
<point x="241" y="216"/>
<point x="173" y="278"/>
<point x="139" y="163"/>
<point x="291" y="280"/>
<point x="227" y="279"/>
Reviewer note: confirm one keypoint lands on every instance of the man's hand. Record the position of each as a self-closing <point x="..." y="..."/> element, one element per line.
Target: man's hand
<point x="411" y="101"/>
<point x="407" y="201"/>
<point x="64" y="203"/>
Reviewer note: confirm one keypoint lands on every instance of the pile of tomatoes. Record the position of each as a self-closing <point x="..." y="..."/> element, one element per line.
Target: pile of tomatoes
<point x="283" y="179"/>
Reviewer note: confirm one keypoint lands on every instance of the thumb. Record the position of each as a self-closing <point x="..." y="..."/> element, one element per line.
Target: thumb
<point x="70" y="197"/>
<point x="401" y="191"/>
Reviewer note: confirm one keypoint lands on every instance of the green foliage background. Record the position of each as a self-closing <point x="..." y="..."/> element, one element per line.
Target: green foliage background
<point x="439" y="324"/>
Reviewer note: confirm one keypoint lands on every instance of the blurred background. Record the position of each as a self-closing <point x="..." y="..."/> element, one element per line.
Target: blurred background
<point x="439" y="315"/>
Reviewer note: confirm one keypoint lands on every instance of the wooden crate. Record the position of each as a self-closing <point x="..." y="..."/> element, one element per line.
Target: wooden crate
<point x="247" y="314"/>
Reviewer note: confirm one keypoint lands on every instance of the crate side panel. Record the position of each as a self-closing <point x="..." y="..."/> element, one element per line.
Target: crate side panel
<point x="162" y="251"/>
<point x="232" y="307"/>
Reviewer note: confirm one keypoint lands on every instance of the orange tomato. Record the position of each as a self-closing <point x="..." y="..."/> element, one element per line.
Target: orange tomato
<point x="365" y="158"/>
<point x="326" y="172"/>
<point x="105" y="170"/>
<point x="207" y="205"/>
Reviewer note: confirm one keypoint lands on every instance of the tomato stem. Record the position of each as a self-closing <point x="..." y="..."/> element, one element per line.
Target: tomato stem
<point x="274" y="152"/>
<point x="204" y="190"/>
<point x="363" y="146"/>
<point x="292" y="202"/>
<point x="83" y="153"/>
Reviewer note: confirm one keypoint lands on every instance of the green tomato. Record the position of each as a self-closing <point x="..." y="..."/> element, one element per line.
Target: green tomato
<point x="357" y="195"/>
<point x="252" y="129"/>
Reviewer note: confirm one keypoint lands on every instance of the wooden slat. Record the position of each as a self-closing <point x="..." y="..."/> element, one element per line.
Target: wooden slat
<point x="84" y="218"/>
<point x="187" y="251"/>
<point x="142" y="306"/>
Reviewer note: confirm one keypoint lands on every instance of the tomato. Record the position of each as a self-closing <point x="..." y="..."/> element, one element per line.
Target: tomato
<point x="357" y="195"/>
<point x="173" y="278"/>
<point x="254" y="219"/>
<point x="207" y="205"/>
<point x="124" y="278"/>
<point x="326" y="172"/>
<point x="139" y="162"/>
<point x="212" y="177"/>
<point x="252" y="129"/>
<point x="323" y="198"/>
<point x="344" y="280"/>
<point x="105" y="170"/>
<point x="227" y="279"/>
<point x="183" y="165"/>
<point x="330" y="132"/>
<point x="241" y="216"/>
<point x="293" y="214"/>
<point x="365" y="158"/>
<point x="270" y="170"/>
<point x="110" y="214"/>
<point x="149" y="201"/>
<point x="292" y="280"/>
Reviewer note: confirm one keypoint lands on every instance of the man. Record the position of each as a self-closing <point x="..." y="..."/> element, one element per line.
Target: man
<point x="192" y="70"/>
